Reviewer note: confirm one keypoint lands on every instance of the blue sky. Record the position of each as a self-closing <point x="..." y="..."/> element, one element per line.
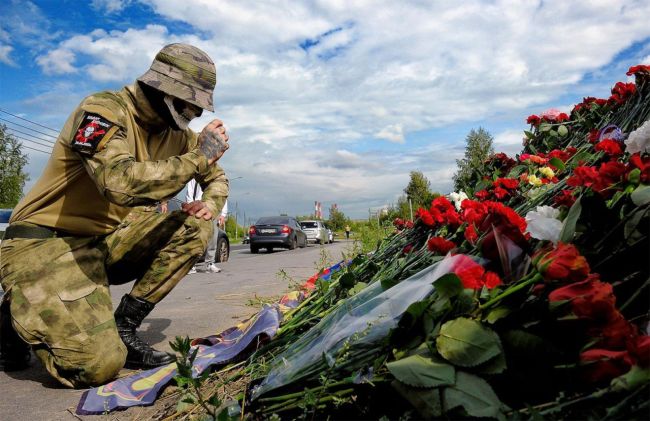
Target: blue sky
<point x="330" y="100"/>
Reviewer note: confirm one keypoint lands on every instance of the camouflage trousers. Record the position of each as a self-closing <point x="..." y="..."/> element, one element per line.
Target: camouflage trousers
<point x="59" y="288"/>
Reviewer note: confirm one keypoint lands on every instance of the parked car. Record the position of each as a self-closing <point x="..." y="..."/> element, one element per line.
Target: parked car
<point x="315" y="231"/>
<point x="330" y="235"/>
<point x="5" y="214"/>
<point x="276" y="231"/>
<point x="246" y="240"/>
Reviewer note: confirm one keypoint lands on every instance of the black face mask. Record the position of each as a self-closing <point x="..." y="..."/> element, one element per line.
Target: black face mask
<point x="156" y="99"/>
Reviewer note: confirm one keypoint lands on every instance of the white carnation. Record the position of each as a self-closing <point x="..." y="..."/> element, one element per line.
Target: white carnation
<point x="639" y="140"/>
<point x="543" y="224"/>
<point x="457" y="198"/>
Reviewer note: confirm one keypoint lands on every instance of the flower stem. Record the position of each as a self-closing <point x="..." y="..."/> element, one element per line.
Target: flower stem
<point x="536" y="278"/>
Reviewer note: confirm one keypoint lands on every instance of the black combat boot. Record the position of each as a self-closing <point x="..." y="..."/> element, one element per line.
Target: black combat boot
<point x="128" y="317"/>
<point x="14" y="352"/>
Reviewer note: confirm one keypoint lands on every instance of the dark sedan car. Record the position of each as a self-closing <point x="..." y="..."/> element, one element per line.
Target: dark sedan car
<point x="276" y="231"/>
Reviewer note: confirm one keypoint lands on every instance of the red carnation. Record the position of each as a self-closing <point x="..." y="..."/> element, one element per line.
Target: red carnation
<point x="500" y="193"/>
<point x="505" y="216"/>
<point x="561" y="117"/>
<point x="440" y="245"/>
<point x="621" y="92"/>
<point x="482" y="194"/>
<point x="407" y="249"/>
<point x="594" y="136"/>
<point x="564" y="198"/>
<point x="602" y="365"/>
<point x="452" y="219"/>
<point x="508" y="183"/>
<point x="398" y="223"/>
<point x="562" y="155"/>
<point x="472" y="275"/>
<point x="589" y="299"/>
<point x="473" y="212"/>
<point x="583" y="176"/>
<point x="610" y="146"/>
<point x="471" y="234"/>
<point x="563" y="263"/>
<point x="643" y="164"/>
<point x="612" y="170"/>
<point x="425" y="217"/>
<point x="533" y="120"/>
<point x="616" y="333"/>
<point x="640" y="68"/>
<point x="442" y="204"/>
<point x="491" y="279"/>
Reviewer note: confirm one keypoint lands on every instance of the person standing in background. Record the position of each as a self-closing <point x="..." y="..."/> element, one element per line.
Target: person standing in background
<point x="208" y="265"/>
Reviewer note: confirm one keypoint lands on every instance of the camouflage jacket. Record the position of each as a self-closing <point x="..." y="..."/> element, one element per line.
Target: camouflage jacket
<point x="110" y="158"/>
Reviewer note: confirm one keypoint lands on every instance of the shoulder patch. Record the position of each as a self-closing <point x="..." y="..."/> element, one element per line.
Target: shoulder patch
<point x="92" y="130"/>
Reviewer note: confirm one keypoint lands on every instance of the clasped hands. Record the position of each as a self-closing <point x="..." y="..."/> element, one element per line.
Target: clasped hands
<point x="213" y="142"/>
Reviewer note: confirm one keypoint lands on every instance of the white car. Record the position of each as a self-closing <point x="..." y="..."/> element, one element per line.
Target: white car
<point x="316" y="231"/>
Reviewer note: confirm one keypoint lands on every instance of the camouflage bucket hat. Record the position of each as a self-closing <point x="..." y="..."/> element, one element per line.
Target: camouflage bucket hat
<point x="185" y="72"/>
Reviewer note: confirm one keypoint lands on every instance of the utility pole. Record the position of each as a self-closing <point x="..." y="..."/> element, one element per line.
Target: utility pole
<point x="411" y="208"/>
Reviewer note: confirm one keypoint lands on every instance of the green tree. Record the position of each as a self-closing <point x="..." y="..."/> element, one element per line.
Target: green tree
<point x="471" y="167"/>
<point x="337" y="220"/>
<point x="12" y="176"/>
<point x="418" y="191"/>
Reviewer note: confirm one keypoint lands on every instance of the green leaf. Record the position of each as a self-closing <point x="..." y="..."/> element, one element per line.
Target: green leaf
<point x="522" y="343"/>
<point x="641" y="195"/>
<point x="448" y="285"/>
<point x="496" y="365"/>
<point x="529" y="134"/>
<point x="578" y="158"/>
<point x="553" y="133"/>
<point x="467" y="343"/>
<point x="497" y="313"/>
<point x="322" y="285"/>
<point x="426" y="401"/>
<point x="517" y="170"/>
<point x="631" y="380"/>
<point x="569" y="224"/>
<point x="557" y="163"/>
<point x="412" y="314"/>
<point x="360" y="286"/>
<point x="482" y="185"/>
<point x="562" y="130"/>
<point x="544" y="127"/>
<point x="630" y="232"/>
<point x="418" y="371"/>
<point x="474" y="395"/>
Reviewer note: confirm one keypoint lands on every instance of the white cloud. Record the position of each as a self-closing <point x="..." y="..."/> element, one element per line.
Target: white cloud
<point x="5" y="50"/>
<point x="113" y="56"/>
<point x="509" y="142"/>
<point x="57" y="62"/>
<point x="109" y="6"/>
<point x="392" y="133"/>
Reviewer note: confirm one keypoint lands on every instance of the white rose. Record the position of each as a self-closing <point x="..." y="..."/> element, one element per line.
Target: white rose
<point x="639" y="140"/>
<point x="543" y="224"/>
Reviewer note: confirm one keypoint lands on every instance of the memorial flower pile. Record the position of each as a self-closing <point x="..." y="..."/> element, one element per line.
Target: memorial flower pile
<point x="525" y="297"/>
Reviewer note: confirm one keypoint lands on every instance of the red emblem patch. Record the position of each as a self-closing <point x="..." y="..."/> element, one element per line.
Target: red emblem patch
<point x="91" y="131"/>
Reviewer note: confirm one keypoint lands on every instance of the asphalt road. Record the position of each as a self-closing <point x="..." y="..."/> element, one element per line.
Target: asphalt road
<point x="201" y="305"/>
